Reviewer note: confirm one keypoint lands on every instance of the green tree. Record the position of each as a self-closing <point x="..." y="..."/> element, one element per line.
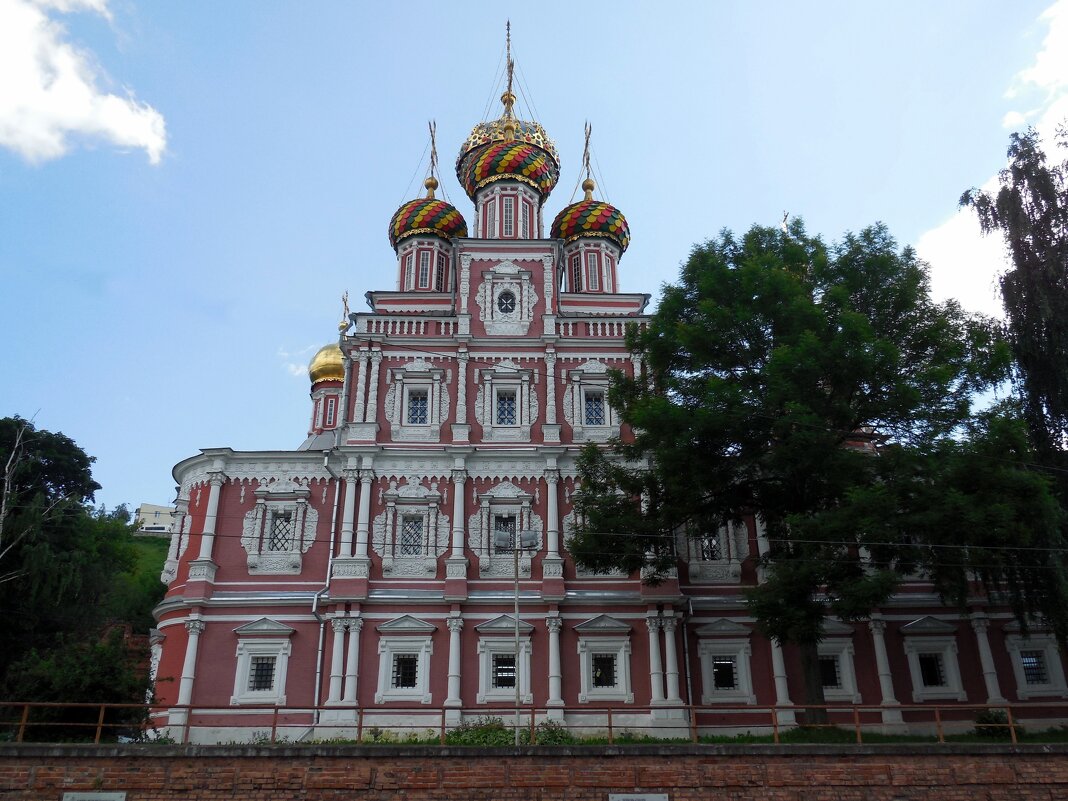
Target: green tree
<point x="68" y="571"/>
<point x="777" y="369"/>
<point x="1030" y="209"/>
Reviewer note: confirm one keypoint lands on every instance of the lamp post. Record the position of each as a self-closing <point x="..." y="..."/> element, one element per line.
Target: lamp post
<point x="517" y="541"/>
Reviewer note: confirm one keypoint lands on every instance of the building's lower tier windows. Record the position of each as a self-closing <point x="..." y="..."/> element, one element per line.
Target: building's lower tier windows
<point x="604" y="670"/>
<point x="932" y="670"/>
<point x="405" y="671"/>
<point x="261" y="673"/>
<point x="504" y="674"/>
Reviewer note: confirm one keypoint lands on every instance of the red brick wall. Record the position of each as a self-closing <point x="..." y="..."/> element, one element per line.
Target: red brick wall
<point x="779" y="773"/>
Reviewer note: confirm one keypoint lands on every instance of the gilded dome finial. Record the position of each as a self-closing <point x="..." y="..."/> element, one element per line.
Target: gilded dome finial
<point x="431" y="182"/>
<point x="343" y="326"/>
<point x="588" y="185"/>
<point x="508" y="98"/>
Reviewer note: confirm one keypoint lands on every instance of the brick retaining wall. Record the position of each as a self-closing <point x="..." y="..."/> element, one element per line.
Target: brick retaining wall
<point x="590" y="773"/>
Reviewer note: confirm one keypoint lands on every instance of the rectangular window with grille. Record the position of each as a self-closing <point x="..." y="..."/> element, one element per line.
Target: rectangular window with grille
<point x="1034" y="667"/>
<point x="604" y="670"/>
<point x="830" y="673"/>
<point x="507" y="524"/>
<point x="593" y="271"/>
<point x="261" y="674"/>
<point x="503" y="673"/>
<point x="932" y="671"/>
<point x="508" y="217"/>
<point x="594" y="408"/>
<point x="405" y="671"/>
<point x="576" y="273"/>
<point x="281" y="536"/>
<point x="418" y="407"/>
<point x="608" y="265"/>
<point x="409" y="271"/>
<point x="709" y="549"/>
<point x="331" y="410"/>
<point x="491" y="218"/>
<point x="524" y="220"/>
<point x="724" y="673"/>
<point x="439" y="277"/>
<point x="411" y="539"/>
<point x="506" y="407"/>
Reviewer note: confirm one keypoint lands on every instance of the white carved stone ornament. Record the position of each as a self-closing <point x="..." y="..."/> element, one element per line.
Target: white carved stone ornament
<point x="280" y="528"/>
<point x="413" y="501"/>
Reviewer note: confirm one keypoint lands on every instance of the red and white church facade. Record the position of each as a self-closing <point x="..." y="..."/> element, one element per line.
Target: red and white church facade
<point x="362" y="577"/>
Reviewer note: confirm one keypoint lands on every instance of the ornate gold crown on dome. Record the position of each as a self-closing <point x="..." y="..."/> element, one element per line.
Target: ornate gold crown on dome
<point x="328" y="364"/>
<point x="508" y="149"/>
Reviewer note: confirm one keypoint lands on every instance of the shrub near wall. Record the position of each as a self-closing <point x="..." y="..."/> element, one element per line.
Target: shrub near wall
<point x="579" y="773"/>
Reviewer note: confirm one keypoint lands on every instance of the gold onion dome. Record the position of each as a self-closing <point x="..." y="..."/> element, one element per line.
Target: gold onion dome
<point x="593" y="218"/>
<point x="508" y="148"/>
<point x="328" y="364"/>
<point x="426" y="216"/>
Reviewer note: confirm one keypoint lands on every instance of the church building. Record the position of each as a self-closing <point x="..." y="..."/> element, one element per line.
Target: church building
<point x="369" y="579"/>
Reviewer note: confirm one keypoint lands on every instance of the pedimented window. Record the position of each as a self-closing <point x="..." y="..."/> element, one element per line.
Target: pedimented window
<point x="417" y="401"/>
<point x="506" y="404"/>
<point x="585" y="401"/>
<point x="411" y="532"/>
<point x="279" y="529"/>
<point x="715" y="556"/>
<point x="508" y="509"/>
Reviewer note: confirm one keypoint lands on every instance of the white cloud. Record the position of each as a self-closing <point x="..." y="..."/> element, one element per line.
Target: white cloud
<point x="49" y="91"/>
<point x="964" y="263"/>
<point x="296" y="364"/>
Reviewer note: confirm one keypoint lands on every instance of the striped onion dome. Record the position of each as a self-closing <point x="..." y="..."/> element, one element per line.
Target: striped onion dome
<point x="426" y="215"/>
<point x="592" y="218"/>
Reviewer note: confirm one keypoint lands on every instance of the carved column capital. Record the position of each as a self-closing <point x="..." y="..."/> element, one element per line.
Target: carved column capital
<point x="552" y="476"/>
<point x="554" y="624"/>
<point x="217" y="478"/>
<point x="355" y="624"/>
<point x="339" y="624"/>
<point x="455" y="624"/>
<point x="459" y="476"/>
<point x="669" y="623"/>
<point x="877" y="625"/>
<point x="194" y="626"/>
<point x="654" y="623"/>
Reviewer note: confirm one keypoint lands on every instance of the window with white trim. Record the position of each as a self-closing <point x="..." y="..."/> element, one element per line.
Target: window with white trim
<point x="524" y="220"/>
<point x="506" y="403"/>
<point x="593" y="271"/>
<point x="331" y="410"/>
<point x="439" y="276"/>
<point x="933" y="668"/>
<point x="725" y="673"/>
<point x="508" y="217"/>
<point x="504" y="524"/>
<point x="506" y="407"/>
<point x="1036" y="665"/>
<point x="604" y="664"/>
<point x="424" y="269"/>
<point x="417" y="401"/>
<point x="498" y="668"/>
<point x="417" y="406"/>
<point x="609" y="270"/>
<point x="585" y="402"/>
<point x="411" y="538"/>
<point x="409" y="271"/>
<point x="404" y="669"/>
<point x="279" y="528"/>
<point x="491" y="218"/>
<point x="837" y="671"/>
<point x="411" y="532"/>
<point x="576" y="273"/>
<point x="317" y="422"/>
<point x="262" y="663"/>
<point x="594" y="408"/>
<point x="280" y="537"/>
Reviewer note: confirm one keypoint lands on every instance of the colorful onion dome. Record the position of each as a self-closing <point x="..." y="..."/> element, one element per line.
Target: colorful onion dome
<point x="426" y="215"/>
<point x="591" y="217"/>
<point x="328" y="364"/>
<point x="495" y="131"/>
<point x="512" y="160"/>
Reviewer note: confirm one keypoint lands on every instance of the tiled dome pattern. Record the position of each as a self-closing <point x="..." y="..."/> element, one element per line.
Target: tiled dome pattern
<point x="426" y="215"/>
<point x="591" y="218"/>
<point x="515" y="160"/>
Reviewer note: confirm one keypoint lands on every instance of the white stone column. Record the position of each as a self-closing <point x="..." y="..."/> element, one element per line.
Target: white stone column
<point x="207" y="540"/>
<point x="363" y="522"/>
<point x="980" y="624"/>
<point x="453" y="699"/>
<point x="459" y="479"/>
<point x="352" y="660"/>
<point x="371" y="415"/>
<point x="361" y="374"/>
<point x="349" y="512"/>
<point x="656" y="668"/>
<point x="461" y="388"/>
<point x="195" y="627"/>
<point x="671" y="660"/>
<point x="882" y="666"/>
<point x="553" y="626"/>
<point x="782" y="688"/>
<point x="550" y="387"/>
<point x="435" y="401"/>
<point x="337" y="656"/>
<point x="552" y="512"/>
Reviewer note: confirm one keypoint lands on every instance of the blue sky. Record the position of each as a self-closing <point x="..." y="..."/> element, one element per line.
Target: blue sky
<point x="186" y="189"/>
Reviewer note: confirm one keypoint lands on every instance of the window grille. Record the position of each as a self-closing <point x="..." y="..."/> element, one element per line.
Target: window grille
<point x="506" y="407"/>
<point x="424" y="269"/>
<point x="593" y="271"/>
<point x="932" y="671"/>
<point x="507" y="524"/>
<point x="1034" y="667"/>
<point x="331" y="408"/>
<point x="439" y="278"/>
<point x="524" y="220"/>
<point x="411" y="543"/>
<point x="709" y="549"/>
<point x="594" y="409"/>
<point x="724" y="673"/>
<point x="491" y="218"/>
<point x="261" y="674"/>
<point x="503" y="672"/>
<point x="405" y="671"/>
<point x="418" y="407"/>
<point x="281" y="537"/>
<point x="409" y="271"/>
<point x="830" y="673"/>
<point x="508" y="217"/>
<point x="604" y="670"/>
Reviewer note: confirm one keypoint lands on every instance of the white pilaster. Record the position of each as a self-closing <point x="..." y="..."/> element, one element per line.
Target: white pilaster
<point x="371" y="415"/>
<point x="352" y="660"/>
<point x="195" y="627"/>
<point x="552" y="511"/>
<point x="337" y="656"/>
<point x="980" y="624"/>
<point x="455" y="625"/>
<point x="782" y="688"/>
<point x="363" y="522"/>
<point x="882" y="666"/>
<point x="656" y="669"/>
<point x="553" y="625"/>
<point x="671" y="660"/>
<point x="361" y="375"/>
<point x="207" y="540"/>
<point x="349" y="512"/>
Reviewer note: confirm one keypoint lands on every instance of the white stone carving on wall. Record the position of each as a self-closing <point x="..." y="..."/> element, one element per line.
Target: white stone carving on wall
<point x="568" y="525"/>
<point x="503" y="499"/>
<point x="412" y="499"/>
<point x="279" y="528"/>
<point x="503" y="319"/>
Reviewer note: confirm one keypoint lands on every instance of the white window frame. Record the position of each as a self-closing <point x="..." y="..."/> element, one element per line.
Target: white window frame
<point x="1045" y="643"/>
<point x="409" y="271"/>
<point x="587" y="393"/>
<point x="490" y="207"/>
<point x="390" y="646"/>
<point x="487" y="648"/>
<point x="619" y="647"/>
<point x="331" y="411"/>
<point x="278" y="647"/>
<point x="609" y="265"/>
<point x="408" y="390"/>
<point x="946" y="647"/>
<point x="318" y="421"/>
<point x="424" y="269"/>
<point x="841" y="649"/>
<point x="516" y="392"/>
<point x="576" y="272"/>
<point x="741" y="652"/>
<point x="593" y="270"/>
<point x="524" y="219"/>
<point x="440" y="283"/>
<point x="508" y="217"/>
